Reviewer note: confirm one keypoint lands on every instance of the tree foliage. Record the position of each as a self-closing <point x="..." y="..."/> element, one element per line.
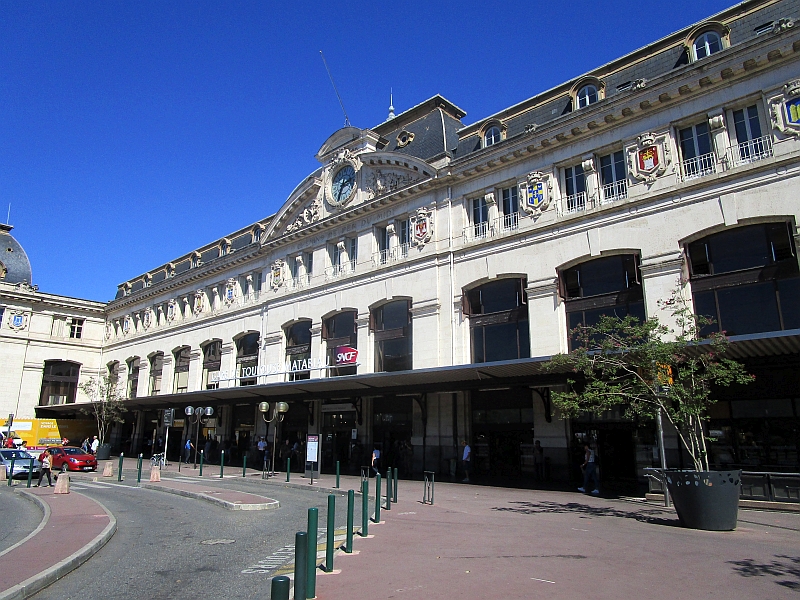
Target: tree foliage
<point x="646" y="367"/>
<point x="106" y="402"/>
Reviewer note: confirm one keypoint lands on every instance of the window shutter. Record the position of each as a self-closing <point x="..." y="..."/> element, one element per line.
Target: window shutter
<point x="465" y="309"/>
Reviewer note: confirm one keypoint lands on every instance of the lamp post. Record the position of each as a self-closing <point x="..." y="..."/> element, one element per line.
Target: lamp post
<point x="278" y="413"/>
<point x="200" y="416"/>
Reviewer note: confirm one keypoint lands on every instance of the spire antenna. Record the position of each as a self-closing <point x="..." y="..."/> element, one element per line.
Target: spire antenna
<point x="324" y="62"/>
<point x="391" y="105"/>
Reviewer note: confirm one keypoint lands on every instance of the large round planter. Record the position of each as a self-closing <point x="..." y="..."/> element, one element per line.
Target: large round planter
<point x="706" y="499"/>
<point x="103" y="452"/>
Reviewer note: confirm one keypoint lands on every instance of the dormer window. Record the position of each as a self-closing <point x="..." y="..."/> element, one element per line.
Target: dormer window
<point x="707" y="44"/>
<point x="586" y="95"/>
<point x="707" y="39"/>
<point x="492" y="136"/>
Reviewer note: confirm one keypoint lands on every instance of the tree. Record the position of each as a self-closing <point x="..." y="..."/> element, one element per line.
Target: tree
<point x="106" y="402"/>
<point x="647" y="367"/>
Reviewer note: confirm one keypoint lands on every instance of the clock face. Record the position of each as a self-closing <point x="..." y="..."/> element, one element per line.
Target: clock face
<point x="343" y="184"/>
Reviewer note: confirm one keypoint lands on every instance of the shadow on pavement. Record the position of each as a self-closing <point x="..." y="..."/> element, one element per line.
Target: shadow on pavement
<point x="786" y="568"/>
<point x="652" y="516"/>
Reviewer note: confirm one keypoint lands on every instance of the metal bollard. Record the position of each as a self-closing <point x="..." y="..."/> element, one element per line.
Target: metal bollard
<point x="280" y="588"/>
<point x="244" y="466"/>
<point x="288" y="467"/>
<point x="427" y="489"/>
<point x="119" y="473"/>
<point x="11" y="473"/>
<point x="365" y="508"/>
<point x="337" y="475"/>
<point x="377" y="497"/>
<point x="30" y="473"/>
<point x="389" y="488"/>
<point x="202" y="455"/>
<point x="311" y="560"/>
<point x="330" y="533"/>
<point x="394" y="489"/>
<point x="139" y="469"/>
<point x="351" y="501"/>
<point x="300" y="564"/>
<point x="221" y="463"/>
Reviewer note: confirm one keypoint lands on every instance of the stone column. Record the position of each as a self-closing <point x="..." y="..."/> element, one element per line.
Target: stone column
<point x="661" y="276"/>
<point x="167" y="373"/>
<point x="592" y="181"/>
<point x="195" y="370"/>
<point x="719" y="137"/>
<point x="546" y="318"/>
<point x="366" y="349"/>
<point x="227" y="362"/>
<point x="317" y="349"/>
<point x="425" y="338"/>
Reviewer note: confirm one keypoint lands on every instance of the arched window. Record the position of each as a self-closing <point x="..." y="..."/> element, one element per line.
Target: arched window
<point x="498" y="320"/>
<point x="604" y="286"/>
<point x="180" y="383"/>
<point x="586" y="95"/>
<point x="156" y="368"/>
<point x="59" y="382"/>
<point x="247" y="358"/>
<point x="298" y="348"/>
<point x="492" y="136"/>
<point x="747" y="279"/>
<point x="133" y="376"/>
<point x="706" y="44"/>
<point x="391" y="323"/>
<point x="339" y="332"/>
<point x="212" y="360"/>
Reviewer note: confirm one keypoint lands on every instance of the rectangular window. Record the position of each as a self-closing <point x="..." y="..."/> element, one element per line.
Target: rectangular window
<point x="382" y="239"/>
<point x="76" y="329"/>
<point x="156" y="367"/>
<point x="133" y="377"/>
<point x="309" y="260"/>
<point x="2" y="311"/>
<point x="750" y="144"/>
<point x="575" y="186"/>
<point x="612" y="177"/>
<point x="510" y="208"/>
<point x="696" y="151"/>
<point x="404" y="232"/>
<point x="352" y="250"/>
<point x="480" y="217"/>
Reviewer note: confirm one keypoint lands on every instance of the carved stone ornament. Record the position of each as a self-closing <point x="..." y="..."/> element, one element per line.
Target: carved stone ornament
<point x="384" y="182"/>
<point x="404" y="138"/>
<point x="147" y="318"/>
<point x="310" y="214"/>
<point x="489" y="198"/>
<point x="230" y="291"/>
<point x="344" y="162"/>
<point x="785" y="109"/>
<point x="18" y="320"/>
<point x="170" y="270"/>
<point x="127" y="324"/>
<point x="199" y="302"/>
<point x="421" y="226"/>
<point x="536" y="192"/>
<point x="716" y="122"/>
<point x="276" y="274"/>
<point x="109" y="330"/>
<point x="638" y="84"/>
<point x="172" y="310"/>
<point x="649" y="158"/>
<point x="782" y="25"/>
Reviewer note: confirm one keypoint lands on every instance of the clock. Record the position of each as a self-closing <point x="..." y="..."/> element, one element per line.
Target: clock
<point x="343" y="184"/>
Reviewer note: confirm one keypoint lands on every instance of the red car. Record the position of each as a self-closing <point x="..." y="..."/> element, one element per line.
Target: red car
<point x="69" y="458"/>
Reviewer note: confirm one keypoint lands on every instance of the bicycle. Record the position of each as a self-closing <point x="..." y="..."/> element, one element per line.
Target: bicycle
<point x="158" y="460"/>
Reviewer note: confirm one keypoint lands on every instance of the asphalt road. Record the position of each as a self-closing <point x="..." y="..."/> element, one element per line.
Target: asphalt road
<point x="168" y="546"/>
<point x="18" y="516"/>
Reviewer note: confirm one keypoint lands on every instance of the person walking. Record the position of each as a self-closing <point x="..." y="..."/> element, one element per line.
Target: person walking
<point x="376" y="460"/>
<point x="187" y="451"/>
<point x="589" y="468"/>
<point x="538" y="461"/>
<point x="466" y="460"/>
<point x="44" y="459"/>
<point x="95" y="445"/>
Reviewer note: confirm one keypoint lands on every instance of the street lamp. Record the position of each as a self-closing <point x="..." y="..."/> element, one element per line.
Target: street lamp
<point x="281" y="408"/>
<point x="200" y="416"/>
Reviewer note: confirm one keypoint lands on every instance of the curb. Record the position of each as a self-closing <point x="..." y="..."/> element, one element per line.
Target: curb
<point x="211" y="499"/>
<point x="38" y="582"/>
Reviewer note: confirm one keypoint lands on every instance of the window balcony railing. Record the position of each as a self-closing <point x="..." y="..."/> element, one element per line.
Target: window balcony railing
<point x="616" y="190"/>
<point x="750" y="151"/>
<point x="298" y="283"/>
<point x="509" y="222"/>
<point x="574" y="204"/>
<point x="699" y="166"/>
<point x="390" y="255"/>
<point x="342" y="270"/>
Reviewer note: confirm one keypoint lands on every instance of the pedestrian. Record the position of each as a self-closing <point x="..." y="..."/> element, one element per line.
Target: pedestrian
<point x="466" y="459"/>
<point x="262" y="447"/>
<point x="376" y="460"/>
<point x="538" y="461"/>
<point x="286" y="453"/>
<point x="44" y="459"/>
<point x="589" y="468"/>
<point x="207" y="449"/>
<point x="86" y="446"/>
<point x="187" y="451"/>
<point x="95" y="445"/>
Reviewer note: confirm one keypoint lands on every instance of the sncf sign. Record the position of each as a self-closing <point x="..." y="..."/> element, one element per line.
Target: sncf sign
<point x="345" y="355"/>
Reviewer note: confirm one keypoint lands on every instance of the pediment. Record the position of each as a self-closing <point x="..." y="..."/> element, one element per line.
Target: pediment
<point x="301" y="209"/>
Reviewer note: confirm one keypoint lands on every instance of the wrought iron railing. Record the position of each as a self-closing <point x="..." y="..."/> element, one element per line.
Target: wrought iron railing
<point x="750" y="151"/>
<point x="699" y="166"/>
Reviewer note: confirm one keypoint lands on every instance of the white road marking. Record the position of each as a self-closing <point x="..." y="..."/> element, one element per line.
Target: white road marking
<point x="576" y="529"/>
<point x="543" y="580"/>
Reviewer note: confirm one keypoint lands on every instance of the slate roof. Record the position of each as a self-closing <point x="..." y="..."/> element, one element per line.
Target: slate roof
<point x="13" y="257"/>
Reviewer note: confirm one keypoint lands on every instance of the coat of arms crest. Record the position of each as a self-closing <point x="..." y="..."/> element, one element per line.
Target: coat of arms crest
<point x="649" y="158"/>
<point x="535" y="191"/>
<point x="276" y="274"/>
<point x="421" y="226"/>
<point x="785" y="109"/>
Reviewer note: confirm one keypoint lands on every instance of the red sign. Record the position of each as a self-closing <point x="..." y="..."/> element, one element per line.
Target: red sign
<point x="345" y="355"/>
<point x="421" y="228"/>
<point x="648" y="159"/>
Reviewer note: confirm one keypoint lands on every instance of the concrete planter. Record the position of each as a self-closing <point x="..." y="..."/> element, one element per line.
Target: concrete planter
<point x="103" y="452"/>
<point x="705" y="499"/>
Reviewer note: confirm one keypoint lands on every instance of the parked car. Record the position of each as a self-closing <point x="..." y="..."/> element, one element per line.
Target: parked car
<point x="22" y="462"/>
<point x="69" y="458"/>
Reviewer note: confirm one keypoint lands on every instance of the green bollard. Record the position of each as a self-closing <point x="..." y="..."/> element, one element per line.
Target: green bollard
<point x="288" y="467"/>
<point x="139" y="470"/>
<point x="202" y="455"/>
<point x="244" y="466"/>
<point x="330" y="533"/>
<point x="119" y="470"/>
<point x="351" y="501"/>
<point x="280" y="588"/>
<point x="311" y="562"/>
<point x="221" y="463"/>
<point x="377" y="497"/>
<point x="11" y="473"/>
<point x="30" y="473"/>
<point x="337" y="474"/>
<point x="389" y="489"/>
<point x="394" y="489"/>
<point x="300" y="564"/>
<point x="365" y="508"/>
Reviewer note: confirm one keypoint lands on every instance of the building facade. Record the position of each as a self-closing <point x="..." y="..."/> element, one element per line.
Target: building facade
<point x="409" y="291"/>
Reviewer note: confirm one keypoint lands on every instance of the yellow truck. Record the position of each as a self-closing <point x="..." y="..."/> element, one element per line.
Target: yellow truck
<point x="40" y="433"/>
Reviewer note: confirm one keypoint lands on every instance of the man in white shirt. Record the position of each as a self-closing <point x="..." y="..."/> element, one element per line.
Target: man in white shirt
<point x="95" y="445"/>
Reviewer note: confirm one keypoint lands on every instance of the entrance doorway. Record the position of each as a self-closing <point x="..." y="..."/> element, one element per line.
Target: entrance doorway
<point x="391" y="432"/>
<point x="502" y="425"/>
<point x="337" y="442"/>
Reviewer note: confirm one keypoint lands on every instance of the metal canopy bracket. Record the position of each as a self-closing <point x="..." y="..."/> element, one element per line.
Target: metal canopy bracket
<point x="544" y="394"/>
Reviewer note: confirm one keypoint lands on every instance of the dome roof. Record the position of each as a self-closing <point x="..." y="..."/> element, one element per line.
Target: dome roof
<point x="14" y="264"/>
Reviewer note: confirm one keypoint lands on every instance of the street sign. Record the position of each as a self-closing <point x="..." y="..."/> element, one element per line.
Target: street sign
<point x="169" y="417"/>
<point x="312" y="448"/>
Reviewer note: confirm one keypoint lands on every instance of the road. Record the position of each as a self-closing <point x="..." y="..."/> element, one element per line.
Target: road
<point x="27" y="516"/>
<point x="168" y="546"/>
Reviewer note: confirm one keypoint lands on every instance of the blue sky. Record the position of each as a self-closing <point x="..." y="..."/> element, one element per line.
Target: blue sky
<point x="133" y="132"/>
